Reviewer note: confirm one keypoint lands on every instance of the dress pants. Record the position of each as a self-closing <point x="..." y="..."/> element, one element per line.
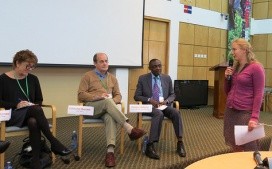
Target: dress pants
<point x="157" y="119"/>
<point x="111" y="115"/>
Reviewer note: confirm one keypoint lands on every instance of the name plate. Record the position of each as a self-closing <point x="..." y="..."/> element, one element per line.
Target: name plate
<point x="140" y="108"/>
<point x="5" y="115"/>
<point x="80" y="110"/>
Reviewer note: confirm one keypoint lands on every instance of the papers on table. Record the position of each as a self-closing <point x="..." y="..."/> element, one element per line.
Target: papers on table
<point x="243" y="136"/>
<point x="5" y="115"/>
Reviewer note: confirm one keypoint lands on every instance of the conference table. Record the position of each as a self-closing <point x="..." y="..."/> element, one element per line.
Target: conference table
<point x="240" y="160"/>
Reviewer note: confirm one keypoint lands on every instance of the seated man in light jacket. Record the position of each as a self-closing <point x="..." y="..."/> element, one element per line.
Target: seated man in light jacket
<point x="99" y="88"/>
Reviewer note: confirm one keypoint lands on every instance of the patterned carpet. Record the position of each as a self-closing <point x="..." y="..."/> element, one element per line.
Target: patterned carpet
<point x="202" y="138"/>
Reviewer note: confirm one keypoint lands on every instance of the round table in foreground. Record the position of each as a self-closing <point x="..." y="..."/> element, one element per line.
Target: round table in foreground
<point x="240" y="160"/>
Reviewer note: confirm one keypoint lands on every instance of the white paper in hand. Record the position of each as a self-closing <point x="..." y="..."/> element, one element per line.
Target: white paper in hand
<point x="243" y="136"/>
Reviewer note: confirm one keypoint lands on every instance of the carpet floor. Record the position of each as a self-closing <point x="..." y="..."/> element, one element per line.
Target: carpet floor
<point x="202" y="137"/>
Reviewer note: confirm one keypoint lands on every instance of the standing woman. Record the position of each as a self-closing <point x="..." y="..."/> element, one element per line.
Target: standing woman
<point x="21" y="92"/>
<point x="244" y="92"/>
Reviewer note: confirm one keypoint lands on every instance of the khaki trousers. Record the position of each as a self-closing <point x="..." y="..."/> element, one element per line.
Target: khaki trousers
<point x="111" y="115"/>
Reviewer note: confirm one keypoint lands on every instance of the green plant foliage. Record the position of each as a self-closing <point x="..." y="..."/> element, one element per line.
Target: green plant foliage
<point x="235" y="33"/>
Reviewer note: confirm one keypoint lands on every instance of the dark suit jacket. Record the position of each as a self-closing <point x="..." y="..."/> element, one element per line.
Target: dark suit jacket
<point x="144" y="88"/>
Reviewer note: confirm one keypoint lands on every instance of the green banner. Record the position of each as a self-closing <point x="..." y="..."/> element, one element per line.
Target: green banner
<point x="239" y="21"/>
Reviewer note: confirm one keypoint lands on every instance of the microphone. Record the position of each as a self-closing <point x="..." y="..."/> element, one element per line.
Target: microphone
<point x="230" y="65"/>
<point x="257" y="158"/>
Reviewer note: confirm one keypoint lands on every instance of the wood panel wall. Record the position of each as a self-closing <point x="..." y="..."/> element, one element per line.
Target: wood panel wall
<point x="262" y="44"/>
<point x="155" y="46"/>
<point x="200" y="48"/>
<point x="196" y="39"/>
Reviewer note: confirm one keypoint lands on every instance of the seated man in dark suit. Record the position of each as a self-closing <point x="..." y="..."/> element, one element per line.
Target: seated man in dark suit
<point x="4" y="146"/>
<point x="156" y="89"/>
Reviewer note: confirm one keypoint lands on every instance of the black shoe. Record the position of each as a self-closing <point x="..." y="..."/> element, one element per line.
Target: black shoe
<point x="180" y="149"/>
<point x="4" y="146"/>
<point x="151" y="153"/>
<point x="64" y="152"/>
<point x="59" y="149"/>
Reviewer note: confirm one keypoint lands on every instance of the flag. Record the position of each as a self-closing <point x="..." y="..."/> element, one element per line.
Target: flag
<point x="188" y="9"/>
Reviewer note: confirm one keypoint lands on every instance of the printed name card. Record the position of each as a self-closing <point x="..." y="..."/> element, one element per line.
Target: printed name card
<point x="80" y="110"/>
<point x="140" y="108"/>
<point x="5" y="115"/>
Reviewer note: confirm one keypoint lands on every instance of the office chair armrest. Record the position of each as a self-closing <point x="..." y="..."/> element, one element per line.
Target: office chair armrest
<point x="139" y="102"/>
<point x="53" y="109"/>
<point x="3" y="128"/>
<point x="54" y="116"/>
<point x="176" y="104"/>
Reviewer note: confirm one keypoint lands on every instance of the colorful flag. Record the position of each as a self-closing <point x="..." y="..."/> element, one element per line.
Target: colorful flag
<point x="188" y="9"/>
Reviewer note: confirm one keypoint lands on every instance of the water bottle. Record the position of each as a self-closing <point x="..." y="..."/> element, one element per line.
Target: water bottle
<point x="8" y="165"/>
<point x="145" y="141"/>
<point x="74" y="140"/>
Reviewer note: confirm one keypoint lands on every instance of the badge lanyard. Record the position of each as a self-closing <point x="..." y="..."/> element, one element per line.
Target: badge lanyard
<point x="103" y="84"/>
<point x="25" y="93"/>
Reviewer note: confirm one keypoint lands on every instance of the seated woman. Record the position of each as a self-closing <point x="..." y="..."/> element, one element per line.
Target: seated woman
<point x="21" y="92"/>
